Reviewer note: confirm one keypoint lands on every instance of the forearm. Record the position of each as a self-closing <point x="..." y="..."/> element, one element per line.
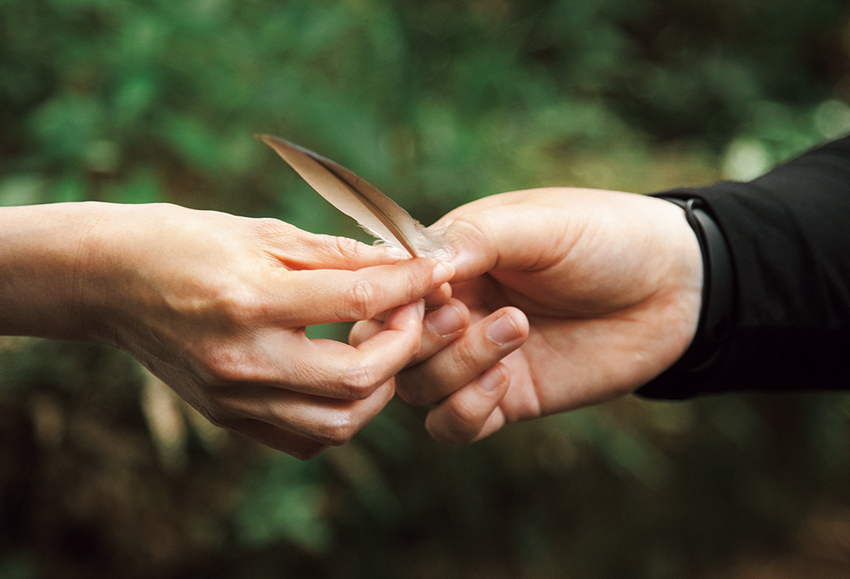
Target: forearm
<point x="216" y="305"/>
<point x="42" y="248"/>
<point x="787" y="237"/>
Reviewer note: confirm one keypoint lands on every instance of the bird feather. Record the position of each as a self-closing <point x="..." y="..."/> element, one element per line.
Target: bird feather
<point x="373" y="210"/>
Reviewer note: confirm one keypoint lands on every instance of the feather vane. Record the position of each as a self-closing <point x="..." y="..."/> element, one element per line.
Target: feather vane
<point x="373" y="210"/>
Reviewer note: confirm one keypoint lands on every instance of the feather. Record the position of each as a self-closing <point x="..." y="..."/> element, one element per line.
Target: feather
<point x="374" y="211"/>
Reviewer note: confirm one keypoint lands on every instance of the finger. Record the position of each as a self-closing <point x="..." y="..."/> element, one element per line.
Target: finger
<point x="288" y="360"/>
<point x="336" y="370"/>
<point x="518" y="231"/>
<point x="328" y="296"/>
<point x="299" y="249"/>
<point x="477" y="350"/>
<point x="441" y="327"/>
<point x="279" y="439"/>
<point x="438" y="297"/>
<point x="363" y="330"/>
<point x="434" y="300"/>
<point x="326" y="421"/>
<point x="472" y="412"/>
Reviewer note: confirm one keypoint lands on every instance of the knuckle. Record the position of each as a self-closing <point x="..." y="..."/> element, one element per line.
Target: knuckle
<point x="271" y="229"/>
<point x="466" y="356"/>
<point x="240" y="307"/>
<point x="359" y="382"/>
<point x="470" y="231"/>
<point x="347" y="246"/>
<point x="418" y="277"/>
<point x="358" y="298"/>
<point x="341" y="430"/>
<point x="463" y="414"/>
<point x="219" y="372"/>
<point x="225" y="366"/>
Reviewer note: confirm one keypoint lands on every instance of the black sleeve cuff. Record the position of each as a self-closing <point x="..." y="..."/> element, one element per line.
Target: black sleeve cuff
<point x="718" y="302"/>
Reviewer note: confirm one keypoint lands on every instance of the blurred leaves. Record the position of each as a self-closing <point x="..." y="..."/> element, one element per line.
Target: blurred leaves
<point x="285" y="504"/>
<point x="103" y="473"/>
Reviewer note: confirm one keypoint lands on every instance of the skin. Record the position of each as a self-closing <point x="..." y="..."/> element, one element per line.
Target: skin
<point x="572" y="297"/>
<point x="216" y="306"/>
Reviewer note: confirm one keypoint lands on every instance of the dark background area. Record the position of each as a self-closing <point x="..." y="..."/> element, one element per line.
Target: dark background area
<point x="104" y="473"/>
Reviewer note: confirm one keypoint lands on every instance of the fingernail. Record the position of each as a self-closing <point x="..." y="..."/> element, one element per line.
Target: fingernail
<point x="420" y="308"/>
<point x="490" y="381"/>
<point x="445" y="321"/>
<point x="443" y="273"/>
<point x="503" y="330"/>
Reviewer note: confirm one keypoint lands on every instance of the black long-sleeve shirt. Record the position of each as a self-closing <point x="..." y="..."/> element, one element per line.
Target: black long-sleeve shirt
<point x="788" y="233"/>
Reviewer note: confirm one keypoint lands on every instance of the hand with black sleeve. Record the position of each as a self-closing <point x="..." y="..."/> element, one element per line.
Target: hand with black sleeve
<point x="578" y="296"/>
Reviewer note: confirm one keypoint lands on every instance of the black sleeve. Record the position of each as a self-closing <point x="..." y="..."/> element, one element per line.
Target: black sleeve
<point x="788" y="234"/>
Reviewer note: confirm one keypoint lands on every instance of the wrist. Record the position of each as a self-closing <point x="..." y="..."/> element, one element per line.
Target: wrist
<point x="718" y="299"/>
<point x="41" y="260"/>
<point x="718" y="303"/>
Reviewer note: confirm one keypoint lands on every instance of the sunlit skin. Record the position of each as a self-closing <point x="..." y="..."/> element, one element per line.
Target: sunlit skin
<point x="216" y="306"/>
<point x="574" y="297"/>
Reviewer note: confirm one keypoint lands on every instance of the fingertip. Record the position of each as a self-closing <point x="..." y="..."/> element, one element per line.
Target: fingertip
<point x="494" y="382"/>
<point x="509" y="326"/>
<point x="442" y="273"/>
<point x="472" y="412"/>
<point x="393" y="345"/>
<point x="407" y="318"/>
<point x="474" y="250"/>
<point x="363" y="330"/>
<point x="438" y="297"/>
<point x="448" y="320"/>
<point x="453" y="354"/>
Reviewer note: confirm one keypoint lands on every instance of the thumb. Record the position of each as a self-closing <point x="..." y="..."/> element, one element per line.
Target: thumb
<point x="509" y="237"/>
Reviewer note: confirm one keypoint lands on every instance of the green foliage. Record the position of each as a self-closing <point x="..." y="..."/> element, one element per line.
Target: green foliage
<point x="437" y="103"/>
<point x="285" y="500"/>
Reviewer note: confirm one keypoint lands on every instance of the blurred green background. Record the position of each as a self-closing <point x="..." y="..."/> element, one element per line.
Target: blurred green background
<point x="103" y="473"/>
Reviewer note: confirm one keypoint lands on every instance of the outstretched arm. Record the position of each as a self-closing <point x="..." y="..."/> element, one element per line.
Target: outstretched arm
<point x="216" y="306"/>
<point x="610" y="284"/>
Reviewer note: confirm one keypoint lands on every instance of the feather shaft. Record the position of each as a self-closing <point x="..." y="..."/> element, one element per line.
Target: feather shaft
<point x="354" y="196"/>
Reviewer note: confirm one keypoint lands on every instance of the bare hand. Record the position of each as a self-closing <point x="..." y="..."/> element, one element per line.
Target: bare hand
<point x="575" y="297"/>
<point x="217" y="305"/>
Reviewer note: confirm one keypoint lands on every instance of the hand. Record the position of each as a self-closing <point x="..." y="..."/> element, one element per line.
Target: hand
<point x="575" y="297"/>
<point x="216" y="306"/>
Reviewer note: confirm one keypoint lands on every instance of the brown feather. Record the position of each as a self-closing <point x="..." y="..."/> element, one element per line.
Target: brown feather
<point x="373" y="210"/>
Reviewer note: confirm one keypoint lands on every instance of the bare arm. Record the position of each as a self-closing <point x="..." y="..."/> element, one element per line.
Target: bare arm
<point x="216" y="306"/>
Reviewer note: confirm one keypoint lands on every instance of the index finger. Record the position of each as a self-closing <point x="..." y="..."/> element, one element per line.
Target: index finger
<point x="329" y="296"/>
<point x="336" y="370"/>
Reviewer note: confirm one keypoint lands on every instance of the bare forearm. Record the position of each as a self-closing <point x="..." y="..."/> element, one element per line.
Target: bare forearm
<point x="216" y="306"/>
<point x="41" y="247"/>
